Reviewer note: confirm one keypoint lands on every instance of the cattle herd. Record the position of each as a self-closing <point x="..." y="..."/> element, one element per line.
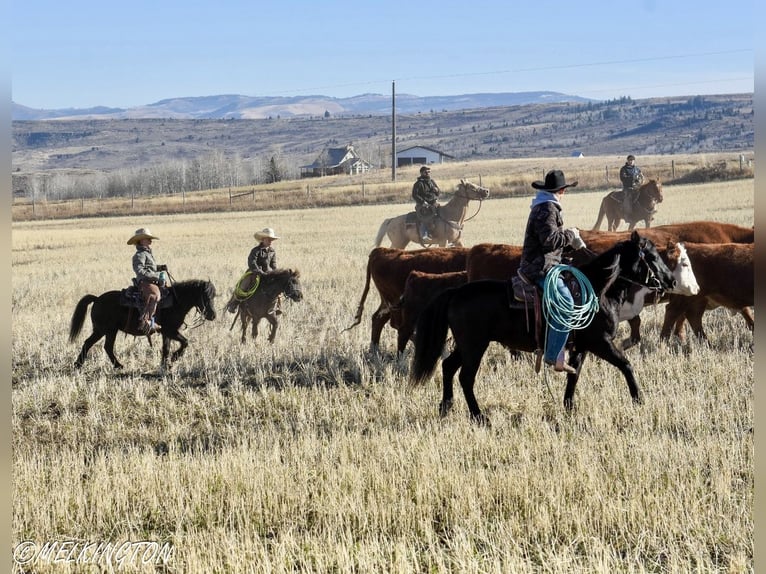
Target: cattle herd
<point x="720" y="255"/>
<point x="712" y="264"/>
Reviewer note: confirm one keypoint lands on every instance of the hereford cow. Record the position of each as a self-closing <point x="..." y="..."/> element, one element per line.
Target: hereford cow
<point x="389" y="269"/>
<point x="725" y="273"/>
<point x="419" y="289"/>
<point x="499" y="261"/>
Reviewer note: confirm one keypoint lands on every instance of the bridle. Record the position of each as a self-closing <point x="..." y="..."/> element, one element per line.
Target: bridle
<point x="464" y="195"/>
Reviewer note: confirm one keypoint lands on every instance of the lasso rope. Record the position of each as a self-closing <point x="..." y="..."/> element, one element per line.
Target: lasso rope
<point x="557" y="308"/>
<point x="242" y="295"/>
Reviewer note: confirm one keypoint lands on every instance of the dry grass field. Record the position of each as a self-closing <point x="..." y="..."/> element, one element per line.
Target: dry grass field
<point x="314" y="455"/>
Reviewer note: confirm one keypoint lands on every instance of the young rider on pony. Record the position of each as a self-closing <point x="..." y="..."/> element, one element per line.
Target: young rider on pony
<point x="149" y="277"/>
<point x="261" y="260"/>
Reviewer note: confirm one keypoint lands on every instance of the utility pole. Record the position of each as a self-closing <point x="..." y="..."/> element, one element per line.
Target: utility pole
<point x="393" y="131"/>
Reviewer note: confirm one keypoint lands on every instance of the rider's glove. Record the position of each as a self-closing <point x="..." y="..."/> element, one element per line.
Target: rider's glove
<point x="577" y="242"/>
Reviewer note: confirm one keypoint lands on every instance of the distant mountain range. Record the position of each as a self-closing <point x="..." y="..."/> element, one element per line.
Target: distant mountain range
<point x="253" y="107"/>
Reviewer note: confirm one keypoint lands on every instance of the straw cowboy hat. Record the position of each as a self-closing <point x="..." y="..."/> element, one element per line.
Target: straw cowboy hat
<point x="554" y="181"/>
<point x="142" y="233"/>
<point x="266" y="232"/>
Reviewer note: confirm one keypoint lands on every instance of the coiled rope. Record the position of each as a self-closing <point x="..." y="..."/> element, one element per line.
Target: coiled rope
<point x="242" y="295"/>
<point x="558" y="309"/>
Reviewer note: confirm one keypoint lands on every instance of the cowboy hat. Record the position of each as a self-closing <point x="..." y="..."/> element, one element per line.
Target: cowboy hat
<point x="141" y="233"/>
<point x="266" y="232"/>
<point x="425" y="168"/>
<point x="554" y="181"/>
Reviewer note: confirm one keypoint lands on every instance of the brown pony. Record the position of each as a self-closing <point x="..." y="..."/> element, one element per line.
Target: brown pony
<point x="263" y="303"/>
<point x="612" y="207"/>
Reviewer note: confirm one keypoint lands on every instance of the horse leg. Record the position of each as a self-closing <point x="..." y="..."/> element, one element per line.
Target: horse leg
<point x="243" y="318"/>
<point x="178" y="352"/>
<point x="111" y="336"/>
<point x="254" y="330"/>
<point x="274" y="324"/>
<point x="450" y="366"/>
<point x="467" y="378"/>
<point x="605" y="349"/>
<point x="89" y="342"/>
<point x="635" y="333"/>
<point x="576" y="359"/>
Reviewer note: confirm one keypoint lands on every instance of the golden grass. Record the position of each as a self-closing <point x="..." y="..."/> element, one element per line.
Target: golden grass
<point x="314" y="455"/>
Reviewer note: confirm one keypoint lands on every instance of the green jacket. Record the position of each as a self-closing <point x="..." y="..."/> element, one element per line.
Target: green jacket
<point x="144" y="265"/>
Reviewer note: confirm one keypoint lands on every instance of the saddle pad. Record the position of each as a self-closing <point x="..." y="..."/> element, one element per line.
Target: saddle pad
<point x="131" y="297"/>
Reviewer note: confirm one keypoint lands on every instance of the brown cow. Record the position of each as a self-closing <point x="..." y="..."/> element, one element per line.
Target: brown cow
<point x="419" y="289"/>
<point x="725" y="273"/>
<point x="693" y="231"/>
<point x="389" y="269"/>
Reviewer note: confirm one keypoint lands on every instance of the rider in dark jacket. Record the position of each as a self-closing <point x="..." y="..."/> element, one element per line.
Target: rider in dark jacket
<point x="425" y="192"/>
<point x="631" y="178"/>
<point x="544" y="242"/>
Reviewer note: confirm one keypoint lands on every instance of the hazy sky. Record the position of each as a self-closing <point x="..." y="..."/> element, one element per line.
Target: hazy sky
<point x="83" y="53"/>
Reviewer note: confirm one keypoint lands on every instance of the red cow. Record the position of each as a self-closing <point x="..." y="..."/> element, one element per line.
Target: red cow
<point x="725" y="273"/>
<point x="389" y="269"/>
<point x="694" y="231"/>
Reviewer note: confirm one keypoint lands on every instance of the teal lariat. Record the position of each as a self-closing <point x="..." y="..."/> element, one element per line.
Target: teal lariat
<point x="555" y="307"/>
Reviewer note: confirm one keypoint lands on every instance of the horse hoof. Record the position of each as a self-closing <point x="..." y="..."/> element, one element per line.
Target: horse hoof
<point x="445" y="408"/>
<point x="481" y="420"/>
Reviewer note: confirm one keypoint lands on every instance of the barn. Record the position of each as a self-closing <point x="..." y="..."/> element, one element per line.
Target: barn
<point x="420" y="155"/>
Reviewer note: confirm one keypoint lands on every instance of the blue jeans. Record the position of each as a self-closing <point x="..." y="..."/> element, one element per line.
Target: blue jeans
<point x="556" y="338"/>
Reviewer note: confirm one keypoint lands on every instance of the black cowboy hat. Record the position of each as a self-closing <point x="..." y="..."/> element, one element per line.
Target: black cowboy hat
<point x="554" y="181"/>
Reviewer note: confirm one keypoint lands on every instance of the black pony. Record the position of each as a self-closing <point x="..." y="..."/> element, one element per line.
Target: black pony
<point x="484" y="311"/>
<point x="108" y="316"/>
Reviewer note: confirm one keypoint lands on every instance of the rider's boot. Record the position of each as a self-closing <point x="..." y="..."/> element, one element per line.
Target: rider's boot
<point x="424" y="235"/>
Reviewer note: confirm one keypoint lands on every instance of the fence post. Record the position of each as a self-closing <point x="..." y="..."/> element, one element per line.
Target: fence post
<point x="362" y="189"/>
<point x="229" y="196"/>
<point x="606" y="170"/>
<point x="672" y="169"/>
<point x="82" y="206"/>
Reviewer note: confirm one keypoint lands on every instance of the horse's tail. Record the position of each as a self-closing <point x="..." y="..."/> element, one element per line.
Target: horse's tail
<point x="430" y="336"/>
<point x="601" y="215"/>
<point x="78" y="317"/>
<point x="360" y="308"/>
<point x="381" y="233"/>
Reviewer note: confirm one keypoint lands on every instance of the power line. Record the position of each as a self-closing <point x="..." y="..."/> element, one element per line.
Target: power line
<point x="530" y="69"/>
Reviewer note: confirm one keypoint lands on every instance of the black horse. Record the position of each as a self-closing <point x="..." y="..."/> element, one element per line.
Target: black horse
<point x="108" y="316"/>
<point x="482" y="311"/>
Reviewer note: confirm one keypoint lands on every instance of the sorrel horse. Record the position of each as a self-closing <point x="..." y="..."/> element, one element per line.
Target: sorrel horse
<point x="108" y="316"/>
<point x="484" y="311"/>
<point x="448" y="223"/>
<point x="613" y="207"/>
<point x="263" y="303"/>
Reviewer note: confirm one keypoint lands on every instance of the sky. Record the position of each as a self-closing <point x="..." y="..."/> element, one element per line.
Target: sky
<point x="83" y="53"/>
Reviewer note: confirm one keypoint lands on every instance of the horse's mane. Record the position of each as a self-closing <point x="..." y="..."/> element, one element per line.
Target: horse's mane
<point x="196" y="284"/>
<point x="284" y="272"/>
<point x="606" y="267"/>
